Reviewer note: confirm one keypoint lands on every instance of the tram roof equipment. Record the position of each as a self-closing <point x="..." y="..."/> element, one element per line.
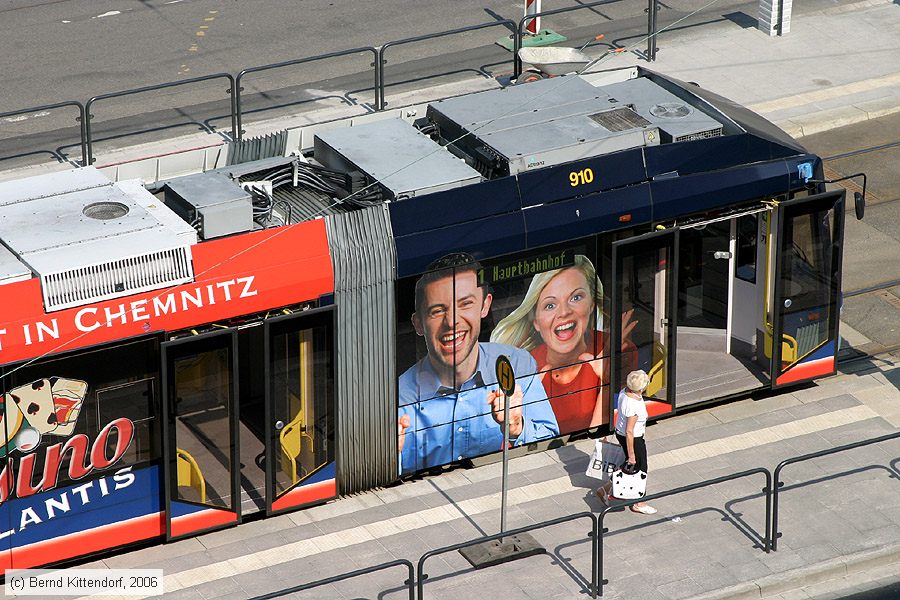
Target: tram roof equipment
<point x="89" y="238"/>
<point x="553" y="121"/>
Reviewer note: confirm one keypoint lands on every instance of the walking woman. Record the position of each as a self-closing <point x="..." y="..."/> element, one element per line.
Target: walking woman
<point x="631" y="422"/>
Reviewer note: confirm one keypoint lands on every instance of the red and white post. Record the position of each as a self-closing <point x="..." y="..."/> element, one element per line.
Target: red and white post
<point x="532" y="7"/>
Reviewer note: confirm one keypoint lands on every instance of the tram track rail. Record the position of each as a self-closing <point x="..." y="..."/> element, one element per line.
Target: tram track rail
<point x="831" y="172"/>
<point x="886" y="285"/>
<point x="874" y="349"/>
<point x="862" y="355"/>
<point x="863" y="151"/>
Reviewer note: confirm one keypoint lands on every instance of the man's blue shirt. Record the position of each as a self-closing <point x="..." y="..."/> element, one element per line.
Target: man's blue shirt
<point x="448" y="424"/>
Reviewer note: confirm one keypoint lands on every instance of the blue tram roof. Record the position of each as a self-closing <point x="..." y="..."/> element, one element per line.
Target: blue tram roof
<point x="748" y="158"/>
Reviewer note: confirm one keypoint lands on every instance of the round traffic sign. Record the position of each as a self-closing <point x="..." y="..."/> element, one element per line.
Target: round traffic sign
<point x="506" y="378"/>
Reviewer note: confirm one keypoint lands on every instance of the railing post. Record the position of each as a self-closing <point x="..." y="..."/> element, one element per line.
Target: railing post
<point x="594" y="560"/>
<point x="238" y="109"/>
<point x="87" y="131"/>
<point x="652" y="9"/>
<point x="768" y="492"/>
<point x="420" y="577"/>
<point x="410" y="583"/>
<point x="517" y="45"/>
<point x="232" y="94"/>
<point x="81" y="121"/>
<point x="378" y="63"/>
<point x="600" y="530"/>
<point x="776" y="488"/>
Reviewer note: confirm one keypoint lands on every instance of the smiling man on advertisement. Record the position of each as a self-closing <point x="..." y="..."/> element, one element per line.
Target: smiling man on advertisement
<point x="450" y="405"/>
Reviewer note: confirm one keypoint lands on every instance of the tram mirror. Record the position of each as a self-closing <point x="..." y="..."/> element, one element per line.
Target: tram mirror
<point x="859" y="202"/>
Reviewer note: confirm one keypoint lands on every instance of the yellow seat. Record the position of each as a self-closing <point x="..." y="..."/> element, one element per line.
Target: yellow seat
<point x="189" y="473"/>
<point x="657" y="372"/>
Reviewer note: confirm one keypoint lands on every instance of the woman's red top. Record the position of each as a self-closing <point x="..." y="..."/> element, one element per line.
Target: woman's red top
<point x="573" y="403"/>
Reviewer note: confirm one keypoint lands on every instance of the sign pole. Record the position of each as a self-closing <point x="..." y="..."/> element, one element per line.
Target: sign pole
<point x="505" y="463"/>
<point x="510" y="547"/>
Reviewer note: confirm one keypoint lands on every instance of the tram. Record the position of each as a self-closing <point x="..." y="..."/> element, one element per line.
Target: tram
<point x="178" y="355"/>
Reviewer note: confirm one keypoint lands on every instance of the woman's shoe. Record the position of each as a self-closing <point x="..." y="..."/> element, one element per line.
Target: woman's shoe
<point x="603" y="495"/>
<point x="644" y="510"/>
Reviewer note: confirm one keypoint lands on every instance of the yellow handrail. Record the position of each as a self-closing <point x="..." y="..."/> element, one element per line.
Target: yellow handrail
<point x="291" y="439"/>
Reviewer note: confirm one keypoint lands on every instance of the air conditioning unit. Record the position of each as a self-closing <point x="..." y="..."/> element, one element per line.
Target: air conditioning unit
<point x="89" y="239"/>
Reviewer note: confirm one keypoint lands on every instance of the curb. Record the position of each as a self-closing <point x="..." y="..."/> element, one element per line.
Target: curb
<point x="802" y="577"/>
<point x="826" y="120"/>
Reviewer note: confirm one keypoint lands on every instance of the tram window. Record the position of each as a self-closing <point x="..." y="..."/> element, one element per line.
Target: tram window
<point x="745" y="265"/>
<point x="807" y="252"/>
<point x="302" y="388"/>
<point x="132" y="401"/>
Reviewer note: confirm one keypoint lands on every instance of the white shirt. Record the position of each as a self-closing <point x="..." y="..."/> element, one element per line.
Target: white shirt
<point x="628" y="406"/>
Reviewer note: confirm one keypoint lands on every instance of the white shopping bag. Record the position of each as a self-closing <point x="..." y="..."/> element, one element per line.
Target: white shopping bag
<point x="605" y="460"/>
<point x="629" y="487"/>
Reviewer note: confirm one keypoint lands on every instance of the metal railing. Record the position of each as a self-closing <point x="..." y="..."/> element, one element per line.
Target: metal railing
<point x="80" y="119"/>
<point x="796" y="459"/>
<point x="150" y="88"/>
<point x="422" y="576"/>
<point x="520" y="29"/>
<point x="767" y="491"/>
<point x="378" y="63"/>
<point x="381" y="61"/>
<point x="409" y="583"/>
<point x="299" y="61"/>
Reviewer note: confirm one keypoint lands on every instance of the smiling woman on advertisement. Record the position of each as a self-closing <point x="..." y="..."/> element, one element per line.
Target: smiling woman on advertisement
<point x="560" y="323"/>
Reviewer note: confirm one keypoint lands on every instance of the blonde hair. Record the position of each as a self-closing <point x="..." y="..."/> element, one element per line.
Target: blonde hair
<point x="517" y="328"/>
<point x="637" y="381"/>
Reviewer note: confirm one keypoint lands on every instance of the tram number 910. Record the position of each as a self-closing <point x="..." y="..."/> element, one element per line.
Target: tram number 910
<point x="581" y="177"/>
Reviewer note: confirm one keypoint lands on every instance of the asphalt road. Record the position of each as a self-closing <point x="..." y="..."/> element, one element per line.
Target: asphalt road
<point x="57" y="50"/>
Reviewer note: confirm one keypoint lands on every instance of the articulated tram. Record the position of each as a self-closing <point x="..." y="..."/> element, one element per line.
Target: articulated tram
<point x="177" y="355"/>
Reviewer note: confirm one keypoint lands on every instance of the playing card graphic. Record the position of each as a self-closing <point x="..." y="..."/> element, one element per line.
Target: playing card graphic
<point x="35" y="400"/>
<point x="68" y="396"/>
<point x="10" y="423"/>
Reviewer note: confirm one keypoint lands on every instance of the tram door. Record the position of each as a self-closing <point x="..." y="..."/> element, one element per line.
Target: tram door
<point x="809" y="239"/>
<point x="643" y="315"/>
<point x="300" y="407"/>
<point x="200" y="436"/>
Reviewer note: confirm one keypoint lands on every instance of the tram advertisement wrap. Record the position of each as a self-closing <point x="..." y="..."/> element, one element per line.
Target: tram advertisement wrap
<point x="41" y="518"/>
<point x="233" y="276"/>
<point x="543" y="310"/>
